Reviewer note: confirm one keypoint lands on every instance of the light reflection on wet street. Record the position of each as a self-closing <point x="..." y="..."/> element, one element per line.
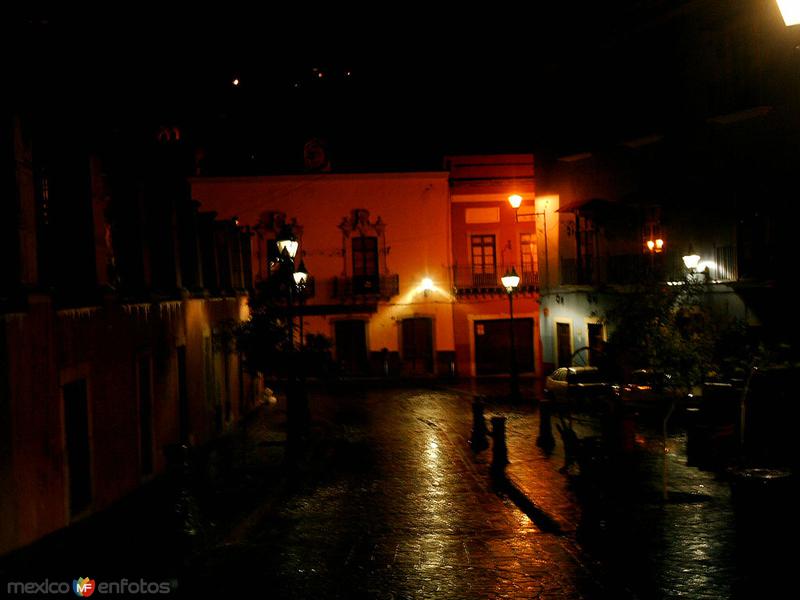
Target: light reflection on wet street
<point x="401" y="508"/>
<point x="400" y="511"/>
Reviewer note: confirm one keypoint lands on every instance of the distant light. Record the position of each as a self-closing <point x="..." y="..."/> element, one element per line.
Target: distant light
<point x="235" y="82"/>
<point x="515" y="200"/>
<point x="320" y="74"/>
<point x="650" y="245"/>
<point x="659" y="244"/>
<point x="427" y="284"/>
<point x="790" y="11"/>
<point x="348" y="73"/>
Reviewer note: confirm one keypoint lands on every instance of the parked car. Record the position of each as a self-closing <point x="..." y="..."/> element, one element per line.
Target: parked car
<point x="647" y="388"/>
<point x="578" y="386"/>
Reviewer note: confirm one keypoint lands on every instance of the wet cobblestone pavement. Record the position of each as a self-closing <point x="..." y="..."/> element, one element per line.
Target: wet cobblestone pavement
<point x="388" y="501"/>
<point x="401" y="511"/>
<point x="696" y="543"/>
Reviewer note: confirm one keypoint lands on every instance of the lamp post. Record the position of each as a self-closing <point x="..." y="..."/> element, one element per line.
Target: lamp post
<point x="296" y="401"/>
<point x="654" y="246"/>
<point x="691" y="261"/>
<point x="515" y="200"/>
<point x="510" y="282"/>
<point x="287" y="249"/>
<point x="300" y="276"/>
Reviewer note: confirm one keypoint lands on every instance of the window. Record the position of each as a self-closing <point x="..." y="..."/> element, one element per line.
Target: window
<point x="365" y="264"/>
<point x="528" y="258"/>
<point x="483" y="260"/>
<point x="586" y="237"/>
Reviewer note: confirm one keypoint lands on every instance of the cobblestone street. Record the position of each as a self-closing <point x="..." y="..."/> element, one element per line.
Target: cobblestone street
<point x="401" y="512"/>
<point x="388" y="501"/>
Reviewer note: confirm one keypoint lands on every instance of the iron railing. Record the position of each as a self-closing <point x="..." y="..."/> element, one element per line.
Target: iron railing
<point x="466" y="280"/>
<point x="634" y="268"/>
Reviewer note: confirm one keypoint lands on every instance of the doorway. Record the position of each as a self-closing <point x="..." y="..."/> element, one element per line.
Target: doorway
<point x="351" y="345"/>
<point x="76" y="425"/>
<point x="596" y="342"/>
<point x="493" y="346"/>
<point x="417" y="337"/>
<point x="564" y="344"/>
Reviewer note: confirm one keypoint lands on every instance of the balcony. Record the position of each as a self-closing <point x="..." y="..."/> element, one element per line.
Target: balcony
<point x="618" y="269"/>
<point x="635" y="268"/>
<point x="378" y="287"/>
<point x="468" y="282"/>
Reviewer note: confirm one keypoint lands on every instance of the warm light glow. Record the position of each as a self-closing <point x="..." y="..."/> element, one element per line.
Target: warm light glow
<point x="289" y="245"/>
<point x="659" y="244"/>
<point x="510" y="280"/>
<point x="235" y="82"/>
<point x="650" y="245"/>
<point x="691" y="261"/>
<point x="300" y="275"/>
<point x="426" y="287"/>
<point x="515" y="200"/>
<point x="790" y="11"/>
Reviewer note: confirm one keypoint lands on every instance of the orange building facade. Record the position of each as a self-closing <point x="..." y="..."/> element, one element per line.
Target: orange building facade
<point x="377" y="248"/>
<point x="490" y="238"/>
<point x="406" y="267"/>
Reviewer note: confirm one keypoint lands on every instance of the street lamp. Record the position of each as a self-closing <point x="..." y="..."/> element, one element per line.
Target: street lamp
<point x="515" y="200"/>
<point x="287" y="242"/>
<point x="287" y="249"/>
<point x="297" y="402"/>
<point x="300" y="276"/>
<point x="691" y="261"/>
<point x="790" y="11"/>
<point x="510" y="282"/>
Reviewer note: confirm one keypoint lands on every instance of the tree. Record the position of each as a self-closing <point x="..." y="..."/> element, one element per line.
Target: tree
<point x="265" y="338"/>
<point x="669" y="329"/>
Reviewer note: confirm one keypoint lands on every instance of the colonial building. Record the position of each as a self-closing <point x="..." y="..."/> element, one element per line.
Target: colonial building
<point x="117" y="300"/>
<point x="406" y="266"/>
<point x="489" y="238"/>
<point x="377" y="246"/>
<point x="701" y="155"/>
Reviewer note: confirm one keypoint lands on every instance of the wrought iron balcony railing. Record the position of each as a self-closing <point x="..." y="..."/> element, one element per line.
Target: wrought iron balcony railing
<point x="467" y="281"/>
<point x="635" y="268"/>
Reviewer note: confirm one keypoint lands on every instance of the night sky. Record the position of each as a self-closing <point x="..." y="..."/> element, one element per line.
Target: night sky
<point x="395" y="86"/>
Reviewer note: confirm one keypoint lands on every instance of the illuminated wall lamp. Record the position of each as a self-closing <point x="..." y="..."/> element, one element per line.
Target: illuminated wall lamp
<point x="426" y="286"/>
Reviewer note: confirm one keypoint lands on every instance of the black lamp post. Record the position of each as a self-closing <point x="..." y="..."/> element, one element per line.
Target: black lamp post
<point x="297" y="404"/>
<point x="300" y="276"/>
<point x="510" y="282"/>
<point x="287" y="249"/>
